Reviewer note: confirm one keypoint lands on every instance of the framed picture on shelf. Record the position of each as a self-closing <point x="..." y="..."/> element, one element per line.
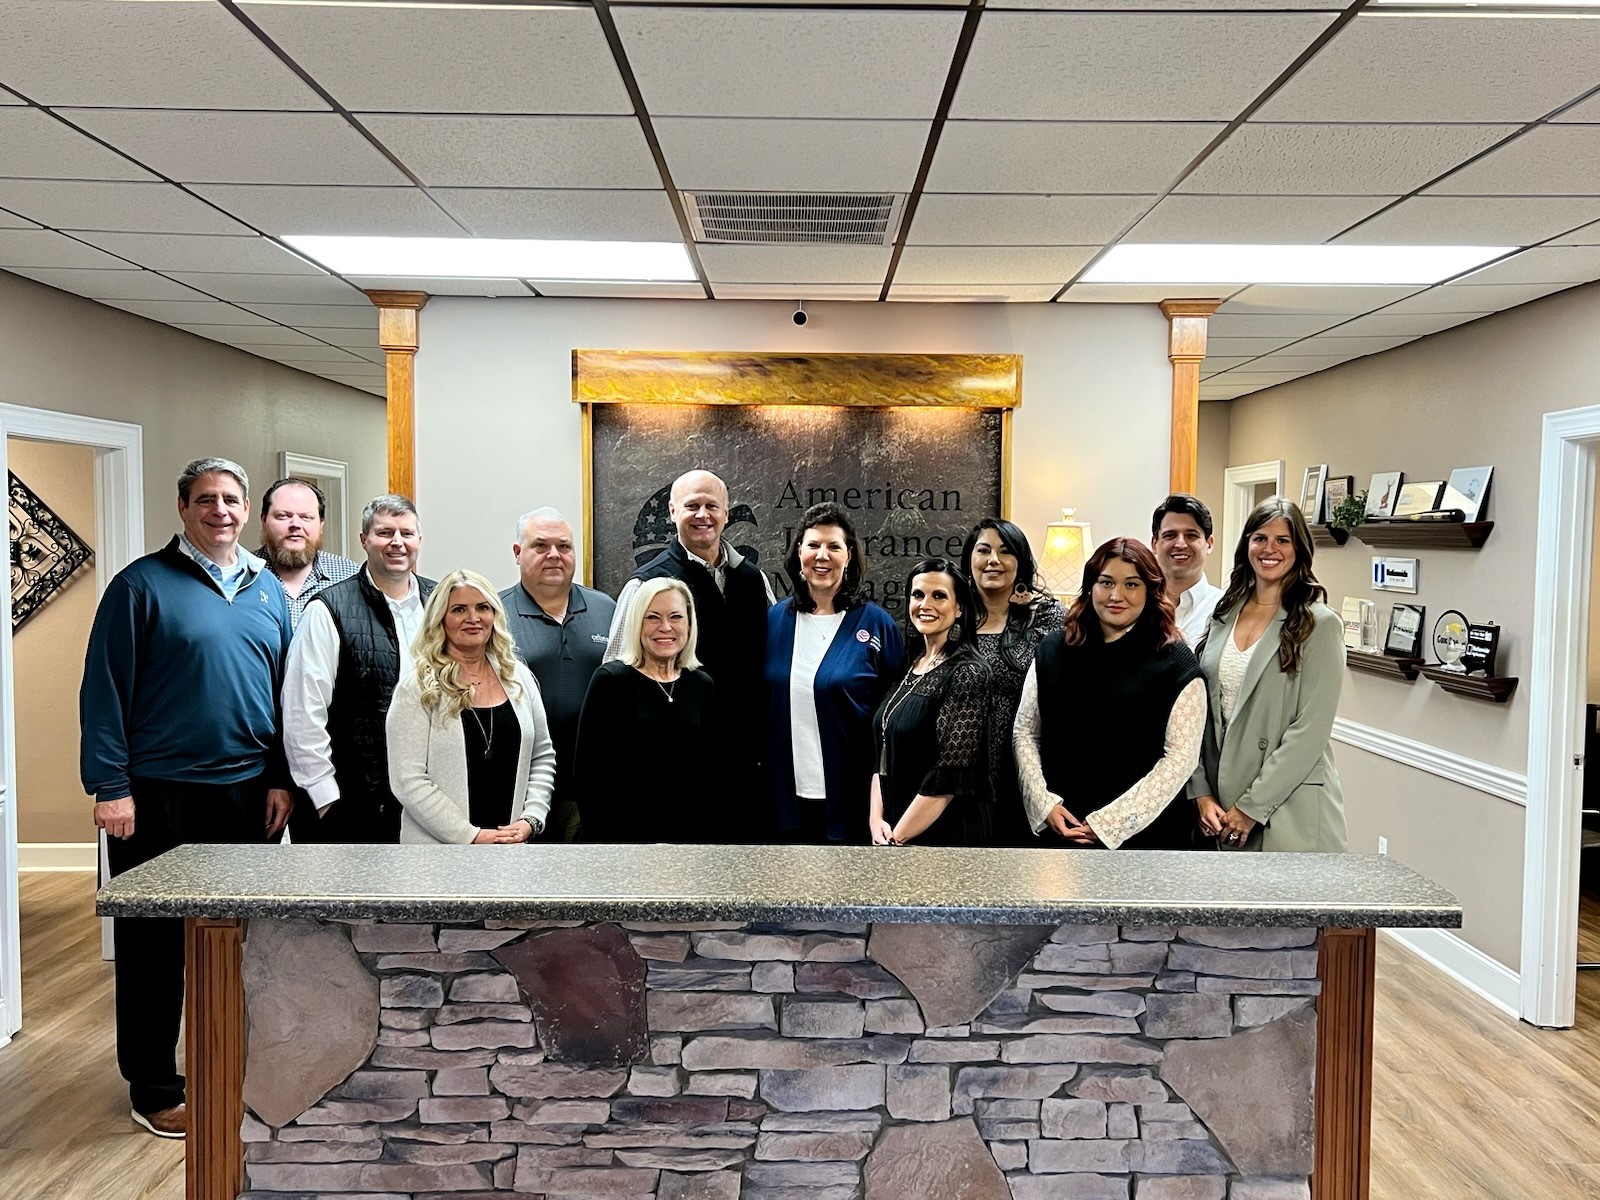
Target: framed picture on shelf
<point x="1418" y="498"/>
<point x="1405" y="631"/>
<point x="1467" y="489"/>
<point x="1335" y="492"/>
<point x="1382" y="492"/>
<point x="1311" y="493"/>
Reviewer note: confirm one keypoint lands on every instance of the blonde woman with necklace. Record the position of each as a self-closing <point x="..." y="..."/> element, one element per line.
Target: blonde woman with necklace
<point x="470" y="755"/>
<point x="646" y="764"/>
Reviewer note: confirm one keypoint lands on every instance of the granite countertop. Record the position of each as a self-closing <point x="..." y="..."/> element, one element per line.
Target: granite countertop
<point x="780" y="883"/>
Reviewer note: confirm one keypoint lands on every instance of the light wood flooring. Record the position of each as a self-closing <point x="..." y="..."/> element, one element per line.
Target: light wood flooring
<point x="1468" y="1103"/>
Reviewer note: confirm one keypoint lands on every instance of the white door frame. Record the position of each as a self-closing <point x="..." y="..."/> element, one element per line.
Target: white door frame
<point x="119" y="530"/>
<point x="1557" y="693"/>
<point x="1239" y="497"/>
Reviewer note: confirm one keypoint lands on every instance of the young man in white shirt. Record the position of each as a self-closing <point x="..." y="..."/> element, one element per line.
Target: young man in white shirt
<point x="1181" y="535"/>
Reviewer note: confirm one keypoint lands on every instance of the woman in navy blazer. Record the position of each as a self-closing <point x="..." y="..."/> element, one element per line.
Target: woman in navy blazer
<point x="830" y="656"/>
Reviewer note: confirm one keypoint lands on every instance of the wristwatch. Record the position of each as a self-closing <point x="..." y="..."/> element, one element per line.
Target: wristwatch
<point x="536" y="825"/>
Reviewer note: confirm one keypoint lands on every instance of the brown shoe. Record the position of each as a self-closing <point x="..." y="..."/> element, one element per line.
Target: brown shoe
<point x="168" y="1123"/>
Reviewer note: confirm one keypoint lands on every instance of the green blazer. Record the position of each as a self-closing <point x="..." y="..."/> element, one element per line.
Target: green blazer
<point x="1276" y="762"/>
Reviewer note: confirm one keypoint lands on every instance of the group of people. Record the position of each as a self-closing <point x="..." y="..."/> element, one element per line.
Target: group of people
<point x="228" y="696"/>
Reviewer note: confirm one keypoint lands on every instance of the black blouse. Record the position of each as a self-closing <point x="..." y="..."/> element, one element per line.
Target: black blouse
<point x="494" y="741"/>
<point x="1009" y="653"/>
<point x="650" y="764"/>
<point x="931" y="732"/>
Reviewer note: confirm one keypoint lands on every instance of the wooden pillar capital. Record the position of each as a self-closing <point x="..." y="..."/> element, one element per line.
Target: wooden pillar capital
<point x="398" y="335"/>
<point x="1186" y="349"/>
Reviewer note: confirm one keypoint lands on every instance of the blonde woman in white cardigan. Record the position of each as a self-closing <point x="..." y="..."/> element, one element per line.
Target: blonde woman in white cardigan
<point x="470" y="756"/>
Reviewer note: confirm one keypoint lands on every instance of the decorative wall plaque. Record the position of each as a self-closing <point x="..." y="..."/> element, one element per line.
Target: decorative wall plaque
<point x="45" y="554"/>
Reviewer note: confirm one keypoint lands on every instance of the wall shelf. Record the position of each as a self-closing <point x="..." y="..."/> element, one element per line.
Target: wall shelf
<point x="1383" y="664"/>
<point x="1466" y="534"/>
<point x="1328" y="535"/>
<point x="1497" y="687"/>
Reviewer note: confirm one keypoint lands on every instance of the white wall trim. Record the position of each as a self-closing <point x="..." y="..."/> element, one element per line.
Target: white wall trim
<point x="1238" y="498"/>
<point x="1466" y="964"/>
<point x="1447" y="764"/>
<point x="58" y="856"/>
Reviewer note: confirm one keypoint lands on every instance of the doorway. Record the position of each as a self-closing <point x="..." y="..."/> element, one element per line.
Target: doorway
<point x="1243" y="488"/>
<point x="118" y="482"/>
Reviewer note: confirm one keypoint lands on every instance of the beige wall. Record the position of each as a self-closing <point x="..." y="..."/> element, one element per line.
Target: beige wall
<point x="48" y="654"/>
<point x="1216" y="424"/>
<point x="1471" y="395"/>
<point x="192" y="396"/>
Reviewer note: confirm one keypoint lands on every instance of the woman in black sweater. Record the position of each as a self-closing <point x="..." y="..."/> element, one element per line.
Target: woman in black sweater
<point x="930" y="731"/>
<point x="1112" y="714"/>
<point x="652" y="696"/>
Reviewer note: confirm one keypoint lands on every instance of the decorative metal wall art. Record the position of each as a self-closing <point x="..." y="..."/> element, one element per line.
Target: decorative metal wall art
<point x="45" y="553"/>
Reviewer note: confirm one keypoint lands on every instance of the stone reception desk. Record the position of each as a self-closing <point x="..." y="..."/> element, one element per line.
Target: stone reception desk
<point x="777" y="1023"/>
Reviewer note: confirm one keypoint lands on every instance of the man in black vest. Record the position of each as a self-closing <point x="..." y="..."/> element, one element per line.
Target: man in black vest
<point x="731" y="597"/>
<point x="349" y="652"/>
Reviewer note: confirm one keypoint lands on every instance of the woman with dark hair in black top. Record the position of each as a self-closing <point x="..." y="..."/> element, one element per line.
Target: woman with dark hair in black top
<point x="1012" y="619"/>
<point x="1112" y="714"/>
<point x="930" y="731"/>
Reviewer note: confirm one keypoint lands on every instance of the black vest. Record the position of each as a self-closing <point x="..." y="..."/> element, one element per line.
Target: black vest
<point x="369" y="669"/>
<point x="1103" y="711"/>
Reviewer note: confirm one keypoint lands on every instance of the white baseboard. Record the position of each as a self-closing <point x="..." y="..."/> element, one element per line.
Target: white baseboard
<point x="1458" y="768"/>
<point x="58" y="856"/>
<point x="1466" y="964"/>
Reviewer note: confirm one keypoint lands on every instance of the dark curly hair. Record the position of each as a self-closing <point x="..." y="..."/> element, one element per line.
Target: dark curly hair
<point x="1155" y="621"/>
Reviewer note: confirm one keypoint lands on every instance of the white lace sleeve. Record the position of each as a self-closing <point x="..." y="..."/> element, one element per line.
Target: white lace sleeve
<point x="1144" y="801"/>
<point x="1036" y="798"/>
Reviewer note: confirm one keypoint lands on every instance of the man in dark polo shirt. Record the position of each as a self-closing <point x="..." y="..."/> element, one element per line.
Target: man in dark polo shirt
<point x="561" y="629"/>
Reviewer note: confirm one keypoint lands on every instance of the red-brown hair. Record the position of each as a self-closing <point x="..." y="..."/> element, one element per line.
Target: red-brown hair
<point x="1155" y="622"/>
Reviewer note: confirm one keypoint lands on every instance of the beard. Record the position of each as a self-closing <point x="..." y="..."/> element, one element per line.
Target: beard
<point x="286" y="559"/>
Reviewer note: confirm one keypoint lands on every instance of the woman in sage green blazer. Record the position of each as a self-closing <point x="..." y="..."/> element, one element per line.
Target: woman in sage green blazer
<point x="1273" y="658"/>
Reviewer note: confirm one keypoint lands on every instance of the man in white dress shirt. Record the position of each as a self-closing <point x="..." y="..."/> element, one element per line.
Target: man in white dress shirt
<point x="1180" y="533"/>
<point x="352" y="647"/>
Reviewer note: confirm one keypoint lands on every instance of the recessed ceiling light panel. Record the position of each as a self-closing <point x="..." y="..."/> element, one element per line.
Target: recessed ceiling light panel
<point x="499" y="258"/>
<point x="1341" y="264"/>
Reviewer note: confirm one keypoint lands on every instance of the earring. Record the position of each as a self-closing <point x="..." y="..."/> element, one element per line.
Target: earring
<point x="955" y="631"/>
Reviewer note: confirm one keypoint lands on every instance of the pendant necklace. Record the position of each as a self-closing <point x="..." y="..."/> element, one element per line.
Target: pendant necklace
<point x="666" y="688"/>
<point x="486" y="734"/>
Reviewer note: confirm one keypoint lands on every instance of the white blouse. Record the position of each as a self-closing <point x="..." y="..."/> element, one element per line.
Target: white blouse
<point x="813" y="635"/>
<point x="1230" y="676"/>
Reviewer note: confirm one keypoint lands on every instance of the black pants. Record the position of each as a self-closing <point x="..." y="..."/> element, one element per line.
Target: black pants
<point x="149" y="966"/>
<point x="354" y="820"/>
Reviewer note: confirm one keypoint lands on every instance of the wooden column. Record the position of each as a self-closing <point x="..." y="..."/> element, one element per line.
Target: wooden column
<point x="1186" y="347"/>
<point x="1346" y="964"/>
<point x="214" y="1057"/>
<point x="397" y="334"/>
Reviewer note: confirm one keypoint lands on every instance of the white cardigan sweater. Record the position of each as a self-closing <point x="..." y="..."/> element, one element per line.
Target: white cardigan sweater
<point x="428" y="763"/>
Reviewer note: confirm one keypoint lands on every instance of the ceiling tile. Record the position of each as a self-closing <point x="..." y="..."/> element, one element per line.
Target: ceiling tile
<point x="635" y="216"/>
<point x="331" y="316"/>
<point x="362" y="341"/>
<point x="350" y="211"/>
<point x="129" y="207"/>
<point x="992" y="264"/>
<point x="203" y="252"/>
<point x="1337" y="160"/>
<point x="1558" y="264"/>
<point x="970" y="293"/>
<point x="295" y="355"/>
<point x="1215" y="365"/>
<point x="1587" y="235"/>
<point x="1141" y="293"/>
<point x="1268" y="325"/>
<point x="1259" y="379"/>
<point x="1071" y="157"/>
<point x="99" y="284"/>
<point x="1127" y="66"/>
<point x="265" y="334"/>
<point x="1284" y="220"/>
<point x="469" y="60"/>
<point x="801" y="63"/>
<point x="995" y="220"/>
<point x="242" y="147"/>
<point x="100" y="52"/>
<point x="188" y="312"/>
<point x="445" y="151"/>
<point x="1245" y="347"/>
<point x="795" y="292"/>
<point x="39" y="146"/>
<point x="1589" y="110"/>
<point x="1342" y="301"/>
<point x="1289" y="364"/>
<point x="272" y="289"/>
<point x="627" y="291"/>
<point x="1329" y="344"/>
<point x="1387" y="324"/>
<point x="1475" y="220"/>
<point x="1424" y="68"/>
<point x="803" y="156"/>
<point x="442" y="287"/>
<point x="12" y="221"/>
<point x="42" y="248"/>
<point x="10" y="97"/>
<point x="1464" y="298"/>
<point x="1551" y="160"/>
<point x="1173" y="5"/>
<point x="818" y="3"/>
<point x="796" y="264"/>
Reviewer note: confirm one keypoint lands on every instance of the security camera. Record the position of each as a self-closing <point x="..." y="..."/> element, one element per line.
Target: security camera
<point x="800" y="317"/>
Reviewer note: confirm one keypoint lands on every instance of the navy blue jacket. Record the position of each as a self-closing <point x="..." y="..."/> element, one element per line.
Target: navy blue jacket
<point x="179" y="683"/>
<point x="852" y="679"/>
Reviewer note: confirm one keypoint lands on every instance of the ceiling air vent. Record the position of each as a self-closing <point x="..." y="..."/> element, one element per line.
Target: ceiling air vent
<point x="783" y="218"/>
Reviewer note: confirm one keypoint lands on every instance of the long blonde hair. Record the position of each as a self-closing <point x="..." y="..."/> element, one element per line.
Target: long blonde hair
<point x="632" y="648"/>
<point x="444" y="693"/>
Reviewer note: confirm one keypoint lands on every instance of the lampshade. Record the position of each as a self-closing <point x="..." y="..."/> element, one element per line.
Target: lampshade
<point x="1066" y="549"/>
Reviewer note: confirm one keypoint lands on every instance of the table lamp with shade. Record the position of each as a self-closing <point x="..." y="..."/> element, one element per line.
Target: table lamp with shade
<point x="1067" y="546"/>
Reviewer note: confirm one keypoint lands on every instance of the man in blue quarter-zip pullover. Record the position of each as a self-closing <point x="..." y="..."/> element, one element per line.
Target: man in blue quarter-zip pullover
<point x="180" y="744"/>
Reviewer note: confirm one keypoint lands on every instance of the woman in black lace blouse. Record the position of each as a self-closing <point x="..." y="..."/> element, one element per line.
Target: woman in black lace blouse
<point x="1012" y="619"/>
<point x="931" y="730"/>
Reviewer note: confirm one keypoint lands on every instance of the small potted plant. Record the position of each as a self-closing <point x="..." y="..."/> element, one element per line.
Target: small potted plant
<point x="1349" y="512"/>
